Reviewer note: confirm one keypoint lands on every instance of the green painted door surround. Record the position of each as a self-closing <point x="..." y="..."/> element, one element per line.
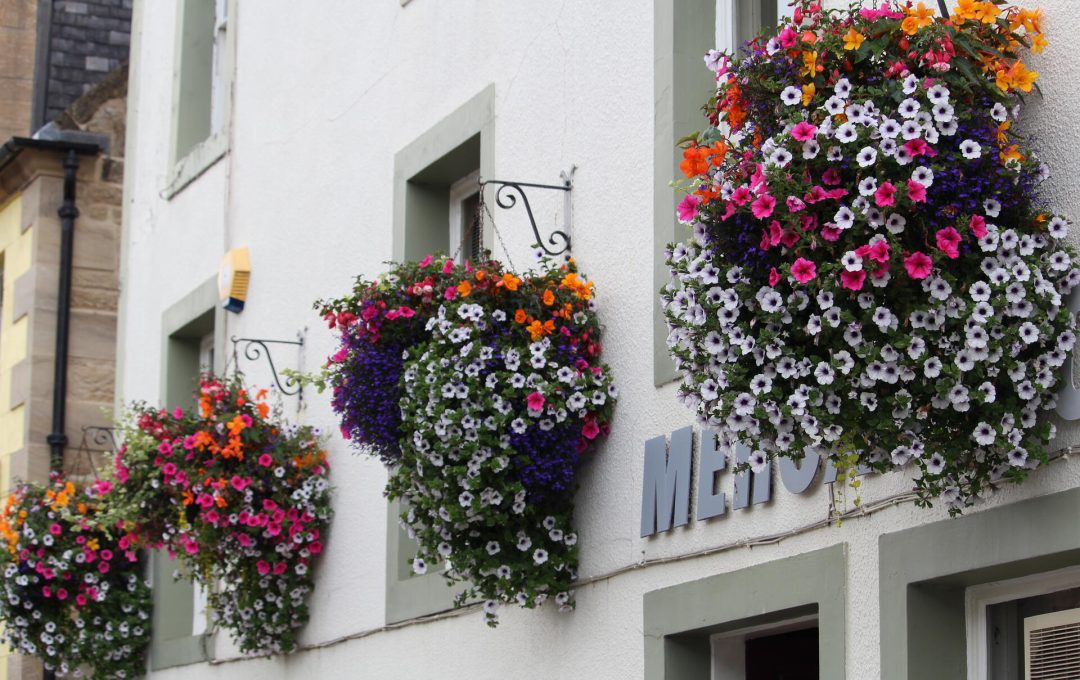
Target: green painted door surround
<point x="679" y="620"/>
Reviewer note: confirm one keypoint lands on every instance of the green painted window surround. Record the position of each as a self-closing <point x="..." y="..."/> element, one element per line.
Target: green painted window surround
<point x="423" y="172"/>
<point x="680" y="620"/>
<point x="194" y="146"/>
<point x="183" y="325"/>
<point x="925" y="571"/>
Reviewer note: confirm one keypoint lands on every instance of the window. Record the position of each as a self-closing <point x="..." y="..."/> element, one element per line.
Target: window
<point x="998" y="613"/>
<point x="202" y="84"/>
<point x="436" y="196"/>
<point x="466" y="239"/>
<point x="684" y="32"/>
<point x="740" y="20"/>
<point x="192" y="332"/>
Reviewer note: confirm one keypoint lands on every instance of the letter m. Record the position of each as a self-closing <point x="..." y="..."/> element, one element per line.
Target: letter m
<point x="665" y="489"/>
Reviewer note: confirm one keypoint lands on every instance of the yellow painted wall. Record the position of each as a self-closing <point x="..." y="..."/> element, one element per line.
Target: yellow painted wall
<point x="15" y="258"/>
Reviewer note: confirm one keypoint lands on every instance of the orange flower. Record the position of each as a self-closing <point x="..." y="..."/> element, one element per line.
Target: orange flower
<point x="1002" y="136"/>
<point x="520" y="316"/>
<point x="264" y="410"/>
<point x="1016" y="77"/>
<point x="236" y="426"/>
<point x="480" y="275"/>
<point x="810" y="65"/>
<point x="549" y="298"/>
<point x="1038" y="42"/>
<point x="464" y="288"/>
<point x="549" y="326"/>
<point x="808" y="92"/>
<point x="511" y="282"/>
<point x="536" y="330"/>
<point x="853" y="40"/>
<point x="965" y="9"/>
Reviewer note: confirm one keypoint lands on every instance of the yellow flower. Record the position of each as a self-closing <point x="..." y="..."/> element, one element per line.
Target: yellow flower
<point x="965" y="9"/>
<point x="810" y="66"/>
<point x="986" y="12"/>
<point x="917" y="17"/>
<point x="808" y="92"/>
<point x="853" y="40"/>
<point x="1038" y="42"/>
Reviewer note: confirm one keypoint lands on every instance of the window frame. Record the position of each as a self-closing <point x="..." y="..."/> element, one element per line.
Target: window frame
<point x="445" y="150"/>
<point x="460" y="192"/>
<point x="188" y="164"/>
<point x="183" y="334"/>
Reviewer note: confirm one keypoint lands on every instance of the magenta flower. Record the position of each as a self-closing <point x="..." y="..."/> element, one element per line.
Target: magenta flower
<point x="535" y="401"/>
<point x="978" y="226"/>
<point x="948" y="242"/>
<point x="688" y="208"/>
<point x="853" y="280"/>
<point x="804" y="131"/>
<point x="916" y="191"/>
<point x="426" y="261"/>
<point x="763" y="206"/>
<point x="885" y="195"/>
<point x="804" y="270"/>
<point x="918" y="265"/>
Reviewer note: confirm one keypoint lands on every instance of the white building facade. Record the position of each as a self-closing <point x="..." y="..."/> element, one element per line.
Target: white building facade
<point x="328" y="138"/>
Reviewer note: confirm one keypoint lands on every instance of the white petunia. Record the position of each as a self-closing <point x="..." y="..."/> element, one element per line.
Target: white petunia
<point x="970" y="149"/>
<point x="791" y="95"/>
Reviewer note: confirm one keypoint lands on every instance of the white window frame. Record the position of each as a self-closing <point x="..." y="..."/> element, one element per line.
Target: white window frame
<point x="200" y="611"/>
<point x="729" y="648"/>
<point x="978" y="598"/>
<point x="220" y="59"/>
<point x="725" y="21"/>
<point x="460" y="191"/>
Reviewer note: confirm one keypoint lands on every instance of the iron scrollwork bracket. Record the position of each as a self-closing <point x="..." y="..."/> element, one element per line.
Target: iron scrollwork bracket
<point x="559" y="241"/>
<point x="257" y="348"/>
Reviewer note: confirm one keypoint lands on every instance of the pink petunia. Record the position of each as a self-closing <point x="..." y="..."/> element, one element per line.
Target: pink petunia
<point x="803" y="270"/>
<point x="830" y="233"/>
<point x="916" y="147"/>
<point x="426" y="261"/>
<point x="916" y="191"/>
<point x="978" y="226"/>
<point x="448" y="267"/>
<point x="815" y="195"/>
<point x="688" y="208"/>
<point x="263" y="567"/>
<point x="763" y="207"/>
<point x="789" y="239"/>
<point x="918" y="265"/>
<point x="795" y="204"/>
<point x="590" y="429"/>
<point x="535" y="401"/>
<point x="266" y="460"/>
<point x="948" y="242"/>
<point x="885" y="195"/>
<point x="741" y="196"/>
<point x="774" y="277"/>
<point x="788" y="38"/>
<point x="804" y="131"/>
<point x="853" y="280"/>
<point x="450" y="293"/>
<point x="831" y="177"/>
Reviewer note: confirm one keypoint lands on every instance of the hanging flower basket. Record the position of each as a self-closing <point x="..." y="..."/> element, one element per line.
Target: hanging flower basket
<point x="482" y="391"/>
<point x="872" y="272"/>
<point x="72" y="594"/>
<point x="241" y="497"/>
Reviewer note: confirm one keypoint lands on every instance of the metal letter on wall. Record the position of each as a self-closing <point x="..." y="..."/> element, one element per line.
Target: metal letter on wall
<point x="665" y="489"/>
<point x="751" y="488"/>
<point x="710" y="462"/>
<point x="797" y="477"/>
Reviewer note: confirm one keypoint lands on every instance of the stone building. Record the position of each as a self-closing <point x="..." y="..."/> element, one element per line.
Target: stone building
<point x="53" y="52"/>
<point x="81" y="160"/>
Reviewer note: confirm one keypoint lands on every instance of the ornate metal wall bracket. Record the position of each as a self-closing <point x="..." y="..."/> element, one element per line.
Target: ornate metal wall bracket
<point x="99" y="438"/>
<point x="559" y="241"/>
<point x="257" y="348"/>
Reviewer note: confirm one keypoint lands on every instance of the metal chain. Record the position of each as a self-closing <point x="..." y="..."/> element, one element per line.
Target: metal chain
<point x="481" y="209"/>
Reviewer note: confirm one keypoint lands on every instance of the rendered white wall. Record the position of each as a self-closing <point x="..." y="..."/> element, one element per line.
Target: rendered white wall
<point x="324" y="97"/>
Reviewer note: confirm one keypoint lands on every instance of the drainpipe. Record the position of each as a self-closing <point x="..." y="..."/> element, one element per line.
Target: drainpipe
<point x="57" y="439"/>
